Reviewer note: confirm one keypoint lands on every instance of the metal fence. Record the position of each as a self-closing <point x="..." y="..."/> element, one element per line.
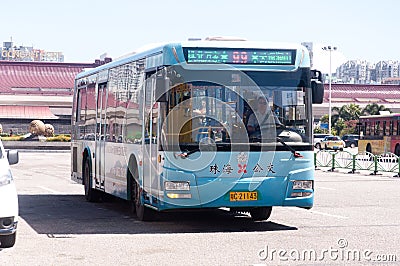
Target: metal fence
<point x="387" y="162"/>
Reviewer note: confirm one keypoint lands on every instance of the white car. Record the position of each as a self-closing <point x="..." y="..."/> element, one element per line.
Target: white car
<point x="8" y="199"/>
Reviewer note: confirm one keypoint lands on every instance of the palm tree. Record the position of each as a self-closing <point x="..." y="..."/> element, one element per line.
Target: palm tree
<point x="374" y="109"/>
<point x="343" y="114"/>
<point x="346" y="112"/>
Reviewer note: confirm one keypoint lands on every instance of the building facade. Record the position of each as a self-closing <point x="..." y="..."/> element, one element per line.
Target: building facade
<point x="11" y="52"/>
<point x="363" y="72"/>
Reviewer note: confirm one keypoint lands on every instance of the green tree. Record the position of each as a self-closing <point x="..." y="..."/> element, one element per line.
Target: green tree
<point x="346" y="112"/>
<point x="339" y="125"/>
<point x="374" y="109"/>
<point x="350" y="127"/>
<point x="341" y="115"/>
<point x="324" y="119"/>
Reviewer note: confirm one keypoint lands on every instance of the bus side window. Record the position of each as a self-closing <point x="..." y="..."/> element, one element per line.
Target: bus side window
<point x="81" y="112"/>
<point x="377" y="129"/>
<point x="384" y="128"/>
<point x="391" y="128"/>
<point x="367" y="129"/>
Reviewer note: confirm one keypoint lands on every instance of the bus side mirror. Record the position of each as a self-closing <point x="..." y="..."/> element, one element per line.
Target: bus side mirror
<point x="317" y="86"/>
<point x="162" y="88"/>
<point x="317" y="91"/>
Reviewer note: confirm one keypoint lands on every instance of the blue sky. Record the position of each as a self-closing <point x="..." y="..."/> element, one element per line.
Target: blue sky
<point x="83" y="30"/>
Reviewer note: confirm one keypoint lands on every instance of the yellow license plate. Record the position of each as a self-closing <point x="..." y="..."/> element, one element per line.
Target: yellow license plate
<point x="242" y="196"/>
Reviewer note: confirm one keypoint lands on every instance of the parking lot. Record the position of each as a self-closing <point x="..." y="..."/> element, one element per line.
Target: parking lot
<point x="352" y="213"/>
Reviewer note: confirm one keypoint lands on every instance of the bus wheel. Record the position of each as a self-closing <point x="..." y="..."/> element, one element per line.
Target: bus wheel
<point x="142" y="212"/>
<point x="260" y="213"/>
<point x="91" y="194"/>
<point x="318" y="146"/>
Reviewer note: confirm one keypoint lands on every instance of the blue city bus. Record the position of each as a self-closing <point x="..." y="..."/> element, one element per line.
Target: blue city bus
<point x="196" y="125"/>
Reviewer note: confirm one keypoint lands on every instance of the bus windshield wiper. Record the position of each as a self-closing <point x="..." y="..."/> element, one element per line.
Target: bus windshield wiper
<point x="186" y="154"/>
<point x="295" y="153"/>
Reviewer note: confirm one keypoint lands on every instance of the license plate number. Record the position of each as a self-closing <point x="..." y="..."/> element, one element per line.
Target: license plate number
<point x="242" y="196"/>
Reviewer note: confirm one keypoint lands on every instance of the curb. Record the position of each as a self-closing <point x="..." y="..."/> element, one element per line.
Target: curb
<point x="36" y="145"/>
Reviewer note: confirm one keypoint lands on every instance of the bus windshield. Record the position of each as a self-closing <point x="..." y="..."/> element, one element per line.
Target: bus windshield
<point x="205" y="112"/>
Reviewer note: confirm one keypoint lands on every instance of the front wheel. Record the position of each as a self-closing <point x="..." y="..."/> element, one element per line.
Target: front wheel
<point x="142" y="212"/>
<point x="7" y="241"/>
<point x="91" y="194"/>
<point x="260" y="213"/>
<point x="352" y="145"/>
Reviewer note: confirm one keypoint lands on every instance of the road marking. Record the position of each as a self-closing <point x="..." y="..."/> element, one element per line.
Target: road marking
<point x="327" y="188"/>
<point x="330" y="215"/>
<point x="322" y="213"/>
<point x="50" y="190"/>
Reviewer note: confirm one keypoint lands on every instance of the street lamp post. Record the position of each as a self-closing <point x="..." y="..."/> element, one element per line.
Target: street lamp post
<point x="330" y="49"/>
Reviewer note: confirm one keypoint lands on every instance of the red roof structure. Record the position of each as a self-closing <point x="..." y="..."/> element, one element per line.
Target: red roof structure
<point x="26" y="112"/>
<point x="363" y="93"/>
<point x="29" y="80"/>
<point x="35" y="84"/>
<point x="43" y="78"/>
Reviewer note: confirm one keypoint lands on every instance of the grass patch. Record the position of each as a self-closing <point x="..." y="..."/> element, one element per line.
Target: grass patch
<point x="62" y="138"/>
<point x="12" y="138"/>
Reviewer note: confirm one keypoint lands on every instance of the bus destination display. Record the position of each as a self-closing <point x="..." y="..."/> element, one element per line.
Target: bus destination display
<point x="239" y="56"/>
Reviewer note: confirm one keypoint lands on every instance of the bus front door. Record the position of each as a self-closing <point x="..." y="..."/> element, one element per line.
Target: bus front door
<point x="151" y="175"/>
<point x="101" y="135"/>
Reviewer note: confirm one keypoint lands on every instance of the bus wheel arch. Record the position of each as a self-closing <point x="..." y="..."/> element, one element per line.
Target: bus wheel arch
<point x="135" y="191"/>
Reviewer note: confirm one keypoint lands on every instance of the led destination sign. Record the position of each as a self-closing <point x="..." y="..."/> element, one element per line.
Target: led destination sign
<point x="239" y="56"/>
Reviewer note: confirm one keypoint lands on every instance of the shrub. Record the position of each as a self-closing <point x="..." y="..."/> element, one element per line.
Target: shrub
<point x="12" y="138"/>
<point x="64" y="138"/>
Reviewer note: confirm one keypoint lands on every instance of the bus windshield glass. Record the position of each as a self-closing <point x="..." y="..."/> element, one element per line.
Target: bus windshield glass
<point x="205" y="112"/>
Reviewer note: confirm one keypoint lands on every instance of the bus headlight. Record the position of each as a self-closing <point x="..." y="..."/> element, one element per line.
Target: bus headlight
<point x="177" y="185"/>
<point x="302" y="184"/>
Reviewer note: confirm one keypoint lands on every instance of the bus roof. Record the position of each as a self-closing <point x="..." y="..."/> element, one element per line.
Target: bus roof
<point x="171" y="53"/>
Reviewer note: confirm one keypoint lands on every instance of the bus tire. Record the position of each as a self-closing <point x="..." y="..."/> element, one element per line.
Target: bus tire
<point x="8" y="241"/>
<point x="91" y="194"/>
<point x="260" y="213"/>
<point x="143" y="213"/>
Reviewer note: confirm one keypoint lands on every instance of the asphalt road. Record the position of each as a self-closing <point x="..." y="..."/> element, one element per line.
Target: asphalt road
<point x="356" y="220"/>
